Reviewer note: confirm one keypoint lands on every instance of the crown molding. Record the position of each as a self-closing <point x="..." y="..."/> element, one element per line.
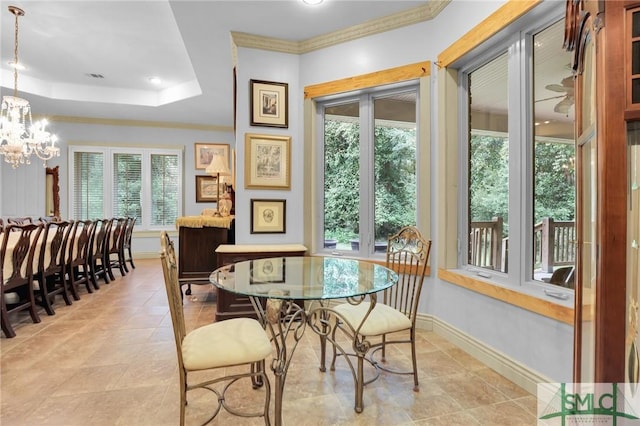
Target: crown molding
<point x="253" y="41"/>
<point x="135" y="123"/>
<point x="391" y="22"/>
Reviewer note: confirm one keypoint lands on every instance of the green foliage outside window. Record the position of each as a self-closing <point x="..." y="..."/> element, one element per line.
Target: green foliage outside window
<point x="554" y="189"/>
<point x="395" y="178"/>
<point x="489" y="179"/>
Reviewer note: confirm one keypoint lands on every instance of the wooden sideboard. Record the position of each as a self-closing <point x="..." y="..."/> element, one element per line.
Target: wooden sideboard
<point x="232" y="306"/>
<point x="199" y="237"/>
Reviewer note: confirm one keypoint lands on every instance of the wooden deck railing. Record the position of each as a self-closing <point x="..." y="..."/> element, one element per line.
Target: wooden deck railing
<point x="554" y="244"/>
<point x="485" y="242"/>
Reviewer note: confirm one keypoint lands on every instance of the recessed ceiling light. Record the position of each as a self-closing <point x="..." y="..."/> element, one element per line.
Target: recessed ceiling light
<point x="155" y="80"/>
<point x="17" y="66"/>
<point x="312" y="2"/>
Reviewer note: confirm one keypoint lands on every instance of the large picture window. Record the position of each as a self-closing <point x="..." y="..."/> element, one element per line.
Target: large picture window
<point x="369" y="157"/>
<point x="122" y="182"/>
<point x="520" y="154"/>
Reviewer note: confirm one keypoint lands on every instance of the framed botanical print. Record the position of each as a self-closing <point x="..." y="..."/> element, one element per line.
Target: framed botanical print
<point x="267" y="162"/>
<point x="204" y="153"/>
<point x="269" y="104"/>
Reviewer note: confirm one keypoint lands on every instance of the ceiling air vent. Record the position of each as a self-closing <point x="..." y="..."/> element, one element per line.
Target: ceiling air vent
<point x="94" y="75"/>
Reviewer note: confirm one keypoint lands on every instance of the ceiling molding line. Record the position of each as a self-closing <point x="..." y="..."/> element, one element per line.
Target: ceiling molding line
<point x="134" y="123"/>
<point x="375" y="26"/>
<point x="253" y="41"/>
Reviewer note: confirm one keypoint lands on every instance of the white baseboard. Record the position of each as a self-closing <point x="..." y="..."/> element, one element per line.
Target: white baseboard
<point x="518" y="373"/>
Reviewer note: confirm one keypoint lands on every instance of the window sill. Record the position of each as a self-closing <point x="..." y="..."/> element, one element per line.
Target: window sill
<point x="537" y="301"/>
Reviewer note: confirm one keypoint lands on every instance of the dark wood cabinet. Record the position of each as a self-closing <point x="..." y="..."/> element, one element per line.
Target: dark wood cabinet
<point x="229" y="305"/>
<point x="197" y="257"/>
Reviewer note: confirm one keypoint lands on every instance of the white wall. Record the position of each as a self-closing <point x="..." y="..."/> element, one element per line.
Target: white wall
<point x="22" y="189"/>
<point x="278" y="67"/>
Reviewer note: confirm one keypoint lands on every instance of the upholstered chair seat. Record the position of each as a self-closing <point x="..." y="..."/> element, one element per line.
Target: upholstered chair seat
<point x="225" y="343"/>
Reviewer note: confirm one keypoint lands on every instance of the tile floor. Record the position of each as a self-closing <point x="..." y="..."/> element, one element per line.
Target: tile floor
<point x="109" y="359"/>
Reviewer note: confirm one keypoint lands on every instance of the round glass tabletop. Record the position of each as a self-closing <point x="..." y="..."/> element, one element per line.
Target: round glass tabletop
<point x="310" y="278"/>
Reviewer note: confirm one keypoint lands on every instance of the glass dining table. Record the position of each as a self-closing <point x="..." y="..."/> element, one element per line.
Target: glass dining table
<point x="291" y="293"/>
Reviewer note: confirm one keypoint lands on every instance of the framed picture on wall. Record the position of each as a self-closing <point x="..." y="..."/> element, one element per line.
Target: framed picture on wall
<point x="268" y="216"/>
<point x="269" y="103"/>
<point x="204" y="153"/>
<point x="267" y="162"/>
<point x="207" y="189"/>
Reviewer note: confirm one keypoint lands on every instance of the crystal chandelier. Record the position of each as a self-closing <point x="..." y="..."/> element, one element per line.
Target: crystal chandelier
<point x="19" y="138"/>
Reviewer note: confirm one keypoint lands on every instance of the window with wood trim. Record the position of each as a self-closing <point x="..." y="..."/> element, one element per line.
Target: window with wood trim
<point x="369" y="161"/>
<point x="520" y="153"/>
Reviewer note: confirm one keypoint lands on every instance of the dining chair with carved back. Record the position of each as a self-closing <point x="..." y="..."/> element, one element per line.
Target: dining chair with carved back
<point x="236" y="342"/>
<point x="98" y="251"/>
<point x="408" y="255"/>
<point x="115" y="253"/>
<point x="19" y="220"/>
<point x="50" y="271"/>
<point x="77" y="265"/>
<point x="126" y="246"/>
<point x="47" y="219"/>
<point x="18" y="248"/>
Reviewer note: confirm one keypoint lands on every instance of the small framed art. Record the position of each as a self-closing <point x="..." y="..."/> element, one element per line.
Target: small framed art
<point x="269" y="103"/>
<point x="206" y="151"/>
<point x="207" y="189"/>
<point x="267" y="271"/>
<point x="268" y="216"/>
<point x="267" y="162"/>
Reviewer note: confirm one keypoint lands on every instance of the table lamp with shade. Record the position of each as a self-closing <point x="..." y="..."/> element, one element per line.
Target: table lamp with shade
<point x="218" y="167"/>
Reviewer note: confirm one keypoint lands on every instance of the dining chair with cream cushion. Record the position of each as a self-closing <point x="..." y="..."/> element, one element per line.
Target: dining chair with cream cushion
<point x="126" y="245"/>
<point x="77" y="265"/>
<point x="393" y="318"/>
<point x="98" y="251"/>
<point x="50" y="271"/>
<point x="18" y="248"/>
<point x="115" y="252"/>
<point x="236" y="342"/>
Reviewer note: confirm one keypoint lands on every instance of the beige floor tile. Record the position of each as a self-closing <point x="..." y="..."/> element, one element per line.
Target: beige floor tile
<point x="110" y="359"/>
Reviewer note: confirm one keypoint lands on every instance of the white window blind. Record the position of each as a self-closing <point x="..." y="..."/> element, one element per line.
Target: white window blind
<point x="88" y="191"/>
<point x="165" y="191"/>
<point x="127" y="185"/>
<point x="145" y="183"/>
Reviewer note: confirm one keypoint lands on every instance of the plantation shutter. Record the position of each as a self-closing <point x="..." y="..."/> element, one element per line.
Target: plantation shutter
<point x="165" y="181"/>
<point x="127" y="185"/>
<point x="88" y="181"/>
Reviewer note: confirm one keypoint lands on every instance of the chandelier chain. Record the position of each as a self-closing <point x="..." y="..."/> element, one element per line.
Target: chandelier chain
<point x="15" y="58"/>
<point x="20" y="138"/>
